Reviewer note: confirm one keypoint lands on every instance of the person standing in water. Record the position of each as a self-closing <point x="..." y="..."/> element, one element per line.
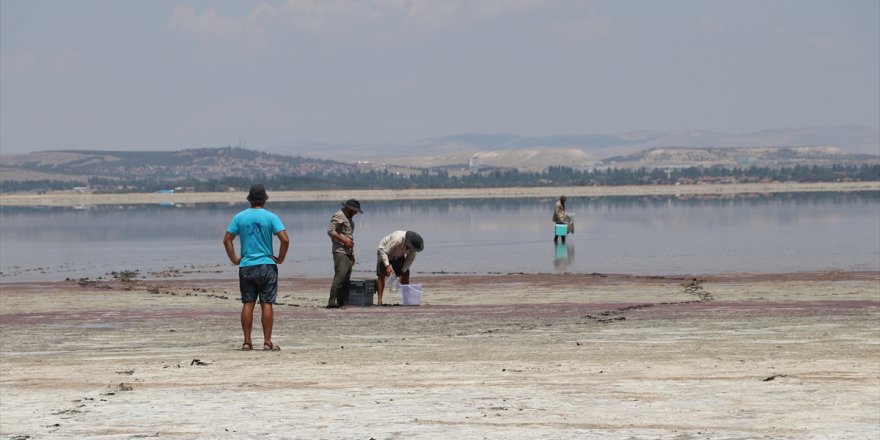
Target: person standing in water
<point x="559" y="217"/>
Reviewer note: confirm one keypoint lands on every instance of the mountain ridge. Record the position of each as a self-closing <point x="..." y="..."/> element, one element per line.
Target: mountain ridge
<point x="462" y="152"/>
<point x="524" y="152"/>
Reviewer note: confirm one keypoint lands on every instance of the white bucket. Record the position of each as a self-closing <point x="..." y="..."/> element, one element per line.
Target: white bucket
<point x="412" y="294"/>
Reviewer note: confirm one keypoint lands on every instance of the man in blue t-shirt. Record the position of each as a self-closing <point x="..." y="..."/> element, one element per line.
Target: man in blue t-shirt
<point x="257" y="266"/>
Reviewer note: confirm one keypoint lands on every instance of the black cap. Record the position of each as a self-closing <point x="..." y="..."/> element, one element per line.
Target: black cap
<point x="353" y="204"/>
<point x="257" y="194"/>
<point x="414" y="241"/>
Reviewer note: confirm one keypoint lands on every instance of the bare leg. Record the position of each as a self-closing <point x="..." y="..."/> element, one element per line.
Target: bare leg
<point x="247" y="320"/>
<point x="380" y="287"/>
<point x="267" y="319"/>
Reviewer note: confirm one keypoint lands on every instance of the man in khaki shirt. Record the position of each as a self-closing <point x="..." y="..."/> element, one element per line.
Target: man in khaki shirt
<point x="395" y="255"/>
<point x="341" y="232"/>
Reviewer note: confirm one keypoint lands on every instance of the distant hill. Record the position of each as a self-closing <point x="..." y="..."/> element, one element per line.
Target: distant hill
<point x="539" y="152"/>
<point x="202" y="163"/>
<point x="738" y="156"/>
<point x="512" y="142"/>
<point x="852" y="139"/>
<point x="459" y="154"/>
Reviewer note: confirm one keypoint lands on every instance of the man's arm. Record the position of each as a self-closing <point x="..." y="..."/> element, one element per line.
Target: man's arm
<point x="408" y="261"/>
<point x="335" y="221"/>
<point x="285" y="244"/>
<point x="230" y="248"/>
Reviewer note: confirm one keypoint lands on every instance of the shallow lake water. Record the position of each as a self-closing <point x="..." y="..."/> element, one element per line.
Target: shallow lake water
<point x="657" y="235"/>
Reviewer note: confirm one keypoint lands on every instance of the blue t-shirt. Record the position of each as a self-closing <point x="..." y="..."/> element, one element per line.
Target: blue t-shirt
<point x="255" y="228"/>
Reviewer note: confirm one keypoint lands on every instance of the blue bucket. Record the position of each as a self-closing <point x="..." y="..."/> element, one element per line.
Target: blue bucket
<point x="561" y="229"/>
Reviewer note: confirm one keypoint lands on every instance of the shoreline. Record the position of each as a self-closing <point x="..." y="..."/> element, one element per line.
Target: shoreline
<point x="70" y="198"/>
<point x="496" y="279"/>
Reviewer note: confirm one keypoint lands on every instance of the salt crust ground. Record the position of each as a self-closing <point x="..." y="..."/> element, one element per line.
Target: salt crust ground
<point x="594" y="356"/>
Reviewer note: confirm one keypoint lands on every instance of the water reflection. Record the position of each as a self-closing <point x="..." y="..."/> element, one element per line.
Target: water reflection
<point x="658" y="234"/>
<point x="563" y="256"/>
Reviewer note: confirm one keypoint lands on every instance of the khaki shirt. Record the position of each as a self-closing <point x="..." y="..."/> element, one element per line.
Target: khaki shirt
<point x="344" y="225"/>
<point x="559" y="213"/>
<point x="394" y="246"/>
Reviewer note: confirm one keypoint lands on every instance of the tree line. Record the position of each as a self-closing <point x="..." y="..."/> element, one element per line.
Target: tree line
<point x="493" y="178"/>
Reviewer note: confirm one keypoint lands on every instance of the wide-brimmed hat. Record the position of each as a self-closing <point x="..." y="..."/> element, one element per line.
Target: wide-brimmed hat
<point x="257" y="193"/>
<point x="414" y="241"/>
<point x="352" y="204"/>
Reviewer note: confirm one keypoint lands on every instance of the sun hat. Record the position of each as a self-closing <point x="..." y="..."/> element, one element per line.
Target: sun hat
<point x="257" y="193"/>
<point x="414" y="241"/>
<point x="353" y="204"/>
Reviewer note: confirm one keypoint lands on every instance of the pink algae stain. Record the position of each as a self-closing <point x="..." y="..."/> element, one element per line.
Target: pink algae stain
<point x="555" y="310"/>
<point x="9" y="319"/>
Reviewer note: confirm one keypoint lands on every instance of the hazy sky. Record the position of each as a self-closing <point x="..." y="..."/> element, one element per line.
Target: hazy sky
<point x="163" y="74"/>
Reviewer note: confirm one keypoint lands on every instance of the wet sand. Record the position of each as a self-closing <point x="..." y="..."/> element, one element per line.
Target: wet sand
<point x="605" y="356"/>
<point x="72" y="198"/>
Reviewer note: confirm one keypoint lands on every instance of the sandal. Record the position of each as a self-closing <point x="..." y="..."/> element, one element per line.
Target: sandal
<point x="247" y="346"/>
<point x="269" y="346"/>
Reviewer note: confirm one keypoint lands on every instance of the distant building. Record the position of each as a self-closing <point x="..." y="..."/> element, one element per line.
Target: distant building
<point x="475" y="162"/>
